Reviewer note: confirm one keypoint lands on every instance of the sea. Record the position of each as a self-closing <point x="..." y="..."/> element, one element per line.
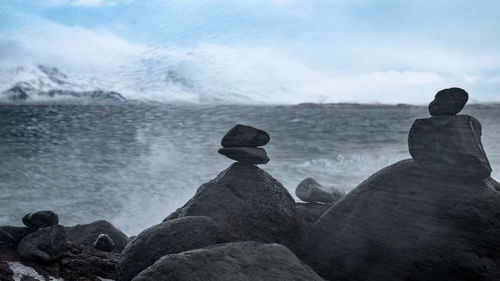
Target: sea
<point x="133" y="164"/>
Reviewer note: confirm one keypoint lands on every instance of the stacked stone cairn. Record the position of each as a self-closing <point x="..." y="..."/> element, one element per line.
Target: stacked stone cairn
<point x="241" y="144"/>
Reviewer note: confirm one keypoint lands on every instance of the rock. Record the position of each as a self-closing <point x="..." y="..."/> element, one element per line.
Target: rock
<point x="449" y="145"/>
<point x="104" y="243"/>
<point x="10" y="236"/>
<point x="311" y="191"/>
<point x="404" y="223"/>
<point x="40" y="219"/>
<point x="170" y="237"/>
<point x="87" y="234"/>
<point x="242" y="261"/>
<point x="45" y="244"/>
<point x="310" y="212"/>
<point x="448" y="102"/>
<point x="248" y="155"/>
<point x="248" y="203"/>
<point x="245" y="136"/>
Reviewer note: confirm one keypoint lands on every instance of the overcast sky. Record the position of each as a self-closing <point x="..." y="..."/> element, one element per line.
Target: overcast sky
<point x="274" y="51"/>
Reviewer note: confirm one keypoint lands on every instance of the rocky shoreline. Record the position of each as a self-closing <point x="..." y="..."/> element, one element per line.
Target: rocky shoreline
<point x="433" y="217"/>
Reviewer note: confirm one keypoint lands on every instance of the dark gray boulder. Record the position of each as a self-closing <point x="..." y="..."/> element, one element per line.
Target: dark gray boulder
<point x="40" y="219"/>
<point x="245" y="136"/>
<point x="309" y="190"/>
<point x="86" y="234"/>
<point x="45" y="244"/>
<point x="249" y="204"/>
<point x="10" y="236"/>
<point x="104" y="243"/>
<point x="170" y="237"/>
<point x="404" y="223"/>
<point x="242" y="261"/>
<point x="309" y="213"/>
<point x="248" y="155"/>
<point x="449" y="145"/>
<point x="448" y="102"/>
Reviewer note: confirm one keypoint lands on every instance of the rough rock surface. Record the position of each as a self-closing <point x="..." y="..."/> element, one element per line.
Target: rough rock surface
<point x="40" y="219"/>
<point x="404" y="223"/>
<point x="309" y="190"/>
<point x="87" y="234"/>
<point x="169" y="237"/>
<point x="241" y="135"/>
<point x="309" y="213"/>
<point x="45" y="244"/>
<point x="448" y="102"/>
<point x="249" y="155"/>
<point x="104" y="243"/>
<point x="242" y="261"/>
<point x="449" y="145"/>
<point x="249" y="204"/>
<point x="10" y="236"/>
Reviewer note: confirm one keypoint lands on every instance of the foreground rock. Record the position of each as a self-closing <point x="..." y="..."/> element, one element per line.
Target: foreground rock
<point x="309" y="190"/>
<point x="248" y="155"/>
<point x="10" y="236"/>
<point x="86" y="234"/>
<point x="242" y="261"/>
<point x="241" y="136"/>
<point x="449" y="145"/>
<point x="249" y="204"/>
<point x="45" y="244"/>
<point x="406" y="223"/>
<point x="40" y="219"/>
<point x="172" y="236"/>
<point x="448" y="102"/>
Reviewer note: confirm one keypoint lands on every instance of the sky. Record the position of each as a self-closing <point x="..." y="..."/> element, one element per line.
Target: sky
<point x="256" y="51"/>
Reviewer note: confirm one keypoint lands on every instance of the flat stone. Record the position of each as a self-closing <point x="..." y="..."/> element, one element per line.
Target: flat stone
<point x="40" y="219"/>
<point x="448" y="102"/>
<point x="45" y="244"/>
<point x="248" y="155"/>
<point x="245" y="136"/>
<point x="104" y="243"/>
<point x="309" y="190"/>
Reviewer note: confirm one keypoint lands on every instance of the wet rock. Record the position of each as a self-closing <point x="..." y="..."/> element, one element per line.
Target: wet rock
<point x="245" y="136"/>
<point x="170" y="237"/>
<point x="448" y="102"/>
<point x="404" y="223"/>
<point x="104" y="243"/>
<point x="449" y="145"/>
<point x="248" y="155"/>
<point x="45" y="244"/>
<point x="10" y="236"/>
<point x="309" y="190"/>
<point x="87" y="234"/>
<point x="40" y="219"/>
<point x="242" y="261"/>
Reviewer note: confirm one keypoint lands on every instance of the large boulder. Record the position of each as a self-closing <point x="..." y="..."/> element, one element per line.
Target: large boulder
<point x="87" y="234"/>
<point x="10" y="236"/>
<point x="248" y="203"/>
<point x="241" y="136"/>
<point x="309" y="213"/>
<point x="449" y="145"/>
<point x="170" y="237"/>
<point x="309" y="190"/>
<point x="242" y="261"/>
<point x="40" y="219"/>
<point x="407" y="223"/>
<point x="45" y="244"/>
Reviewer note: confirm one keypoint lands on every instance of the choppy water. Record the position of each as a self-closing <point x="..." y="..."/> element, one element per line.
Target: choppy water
<point x="134" y="164"/>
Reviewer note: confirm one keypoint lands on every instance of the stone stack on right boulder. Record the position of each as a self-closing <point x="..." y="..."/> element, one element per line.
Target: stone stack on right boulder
<point x="433" y="217"/>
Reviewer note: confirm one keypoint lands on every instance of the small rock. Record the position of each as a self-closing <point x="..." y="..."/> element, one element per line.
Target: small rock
<point x="86" y="234"/>
<point x="104" y="243"/>
<point x="311" y="191"/>
<point x="245" y="136"/>
<point x="45" y="244"/>
<point x="448" y="102"/>
<point x="248" y="155"/>
<point x="40" y="219"/>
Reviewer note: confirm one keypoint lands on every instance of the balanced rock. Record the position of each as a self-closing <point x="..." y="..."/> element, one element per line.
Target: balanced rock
<point x="449" y="145"/>
<point x="170" y="237"/>
<point x="249" y="155"/>
<point x="405" y="223"/>
<point x="104" y="243"/>
<point x="448" y="102"/>
<point x="245" y="136"/>
<point x="40" y="219"/>
<point x="10" y="236"/>
<point x="45" y="244"/>
<point x="248" y="203"/>
<point x="309" y="190"/>
<point x="86" y="234"/>
<point x="242" y="261"/>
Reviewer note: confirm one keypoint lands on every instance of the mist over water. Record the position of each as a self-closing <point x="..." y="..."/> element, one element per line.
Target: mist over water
<point x="134" y="164"/>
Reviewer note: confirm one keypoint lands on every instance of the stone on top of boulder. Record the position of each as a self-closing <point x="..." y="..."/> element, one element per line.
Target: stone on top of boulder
<point x="45" y="244"/>
<point x="250" y="155"/>
<point x="245" y="136"/>
<point x="86" y="234"/>
<point x="448" y="102"/>
<point x="309" y="190"/>
<point x="242" y="261"/>
<point x="40" y="219"/>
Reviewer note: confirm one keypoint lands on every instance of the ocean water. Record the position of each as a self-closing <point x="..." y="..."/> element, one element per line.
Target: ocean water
<point x="133" y="164"/>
